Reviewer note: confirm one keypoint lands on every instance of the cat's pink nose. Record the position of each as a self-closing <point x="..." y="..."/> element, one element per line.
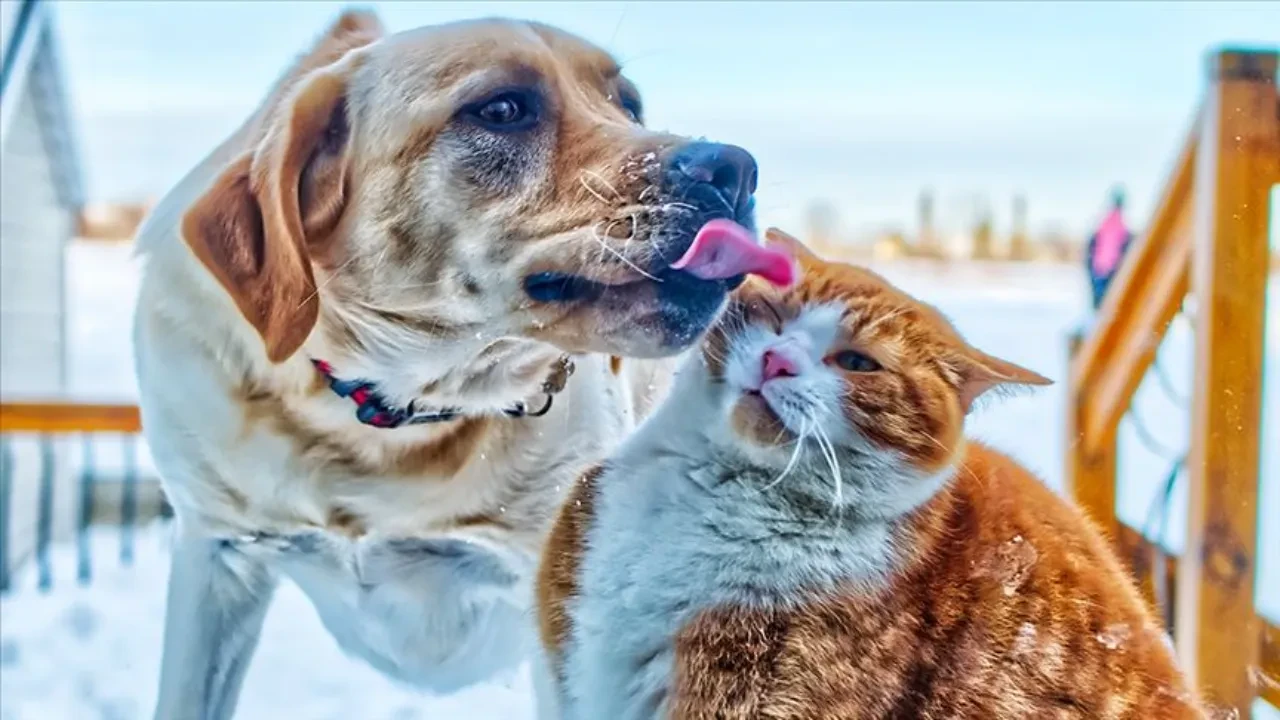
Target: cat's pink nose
<point x="777" y="365"/>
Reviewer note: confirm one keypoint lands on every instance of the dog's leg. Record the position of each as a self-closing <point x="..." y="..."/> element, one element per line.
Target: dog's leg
<point x="217" y="601"/>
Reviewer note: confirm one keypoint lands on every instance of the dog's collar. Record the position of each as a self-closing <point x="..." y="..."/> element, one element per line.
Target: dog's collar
<point x="373" y="409"/>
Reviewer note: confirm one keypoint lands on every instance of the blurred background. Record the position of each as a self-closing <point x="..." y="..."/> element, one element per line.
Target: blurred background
<point x="968" y="151"/>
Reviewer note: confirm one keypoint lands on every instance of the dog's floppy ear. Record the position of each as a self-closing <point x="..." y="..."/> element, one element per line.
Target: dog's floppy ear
<point x="253" y="226"/>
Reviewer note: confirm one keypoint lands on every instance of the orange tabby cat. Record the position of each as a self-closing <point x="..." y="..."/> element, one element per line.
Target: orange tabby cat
<point x="802" y="531"/>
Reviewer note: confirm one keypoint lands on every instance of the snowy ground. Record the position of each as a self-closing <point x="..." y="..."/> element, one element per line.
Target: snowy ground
<point x="93" y="653"/>
<point x="81" y="653"/>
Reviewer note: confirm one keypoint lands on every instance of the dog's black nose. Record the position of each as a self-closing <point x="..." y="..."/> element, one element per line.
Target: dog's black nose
<point x="728" y="169"/>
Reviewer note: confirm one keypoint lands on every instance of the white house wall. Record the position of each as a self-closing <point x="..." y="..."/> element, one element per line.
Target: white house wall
<point x="34" y="228"/>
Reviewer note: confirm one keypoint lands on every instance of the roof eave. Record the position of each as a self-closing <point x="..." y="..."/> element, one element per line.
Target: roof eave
<point x="38" y="52"/>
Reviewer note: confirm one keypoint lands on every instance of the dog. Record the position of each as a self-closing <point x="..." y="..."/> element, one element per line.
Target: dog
<point x="385" y="325"/>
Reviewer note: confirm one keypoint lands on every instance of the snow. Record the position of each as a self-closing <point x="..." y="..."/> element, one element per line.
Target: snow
<point x="93" y="652"/>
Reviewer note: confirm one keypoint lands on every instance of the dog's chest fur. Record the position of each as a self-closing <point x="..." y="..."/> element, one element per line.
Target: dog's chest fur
<point x="671" y="538"/>
<point x="413" y="591"/>
<point x="425" y="575"/>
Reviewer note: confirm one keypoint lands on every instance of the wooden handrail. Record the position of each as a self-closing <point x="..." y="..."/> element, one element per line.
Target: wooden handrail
<point x="67" y="417"/>
<point x="1140" y="303"/>
<point x="1108" y="366"/>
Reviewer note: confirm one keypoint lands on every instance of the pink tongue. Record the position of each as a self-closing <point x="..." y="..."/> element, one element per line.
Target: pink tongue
<point x="724" y="249"/>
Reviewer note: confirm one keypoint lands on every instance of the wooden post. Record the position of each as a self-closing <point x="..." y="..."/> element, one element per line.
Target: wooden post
<point x="1267" y="677"/>
<point x="1236" y="164"/>
<point x="1090" y="477"/>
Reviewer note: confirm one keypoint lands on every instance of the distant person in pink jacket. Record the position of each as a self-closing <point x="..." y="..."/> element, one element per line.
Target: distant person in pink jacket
<point x="1107" y="247"/>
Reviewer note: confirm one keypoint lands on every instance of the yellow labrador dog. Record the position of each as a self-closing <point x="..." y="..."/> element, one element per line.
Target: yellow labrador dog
<point x="383" y="327"/>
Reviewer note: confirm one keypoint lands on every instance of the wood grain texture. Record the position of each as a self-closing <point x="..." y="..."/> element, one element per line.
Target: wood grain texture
<point x="56" y="417"/>
<point x="1236" y="164"/>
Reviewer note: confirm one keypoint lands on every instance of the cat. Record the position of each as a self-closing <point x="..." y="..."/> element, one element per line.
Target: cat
<point x="803" y="531"/>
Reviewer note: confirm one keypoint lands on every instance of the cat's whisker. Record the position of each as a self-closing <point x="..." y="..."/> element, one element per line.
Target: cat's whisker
<point x="716" y="354"/>
<point x="795" y="456"/>
<point x="881" y="320"/>
<point x="937" y="442"/>
<point x="828" y="453"/>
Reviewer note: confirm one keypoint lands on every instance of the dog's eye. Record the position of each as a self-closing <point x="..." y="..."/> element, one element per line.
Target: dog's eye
<point x="854" y="361"/>
<point x="503" y="111"/>
<point x="631" y="107"/>
<point x="508" y="111"/>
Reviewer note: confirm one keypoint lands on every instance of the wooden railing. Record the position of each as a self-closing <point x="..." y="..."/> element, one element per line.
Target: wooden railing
<point x="62" y="479"/>
<point x="53" y="418"/>
<point x="1208" y="240"/>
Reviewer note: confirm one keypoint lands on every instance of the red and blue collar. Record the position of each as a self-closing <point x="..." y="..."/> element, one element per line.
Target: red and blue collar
<point x="373" y="409"/>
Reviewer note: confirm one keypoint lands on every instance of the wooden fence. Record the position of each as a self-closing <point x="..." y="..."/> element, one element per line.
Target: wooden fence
<point x="56" y="483"/>
<point x="1208" y="241"/>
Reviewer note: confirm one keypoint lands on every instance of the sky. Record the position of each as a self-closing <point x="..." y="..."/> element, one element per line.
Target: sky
<point x="861" y="106"/>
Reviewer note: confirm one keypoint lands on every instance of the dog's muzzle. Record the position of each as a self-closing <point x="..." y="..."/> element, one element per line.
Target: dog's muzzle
<point x="709" y="181"/>
<point x="705" y="181"/>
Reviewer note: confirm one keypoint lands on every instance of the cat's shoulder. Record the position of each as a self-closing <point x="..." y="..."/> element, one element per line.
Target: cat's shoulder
<point x="1001" y="487"/>
<point x="1015" y="521"/>
<point x="562" y="556"/>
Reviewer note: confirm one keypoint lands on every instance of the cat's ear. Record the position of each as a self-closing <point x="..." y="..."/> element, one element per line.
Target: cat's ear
<point x="778" y="240"/>
<point x="981" y="373"/>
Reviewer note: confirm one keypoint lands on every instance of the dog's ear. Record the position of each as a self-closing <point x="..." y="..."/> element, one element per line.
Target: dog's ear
<point x="352" y="29"/>
<point x="254" y="226"/>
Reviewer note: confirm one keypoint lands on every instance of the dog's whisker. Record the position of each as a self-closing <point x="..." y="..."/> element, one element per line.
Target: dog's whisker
<point x="621" y="16"/>
<point x="595" y="233"/>
<point x="595" y="193"/>
<point x="617" y="196"/>
<point x="333" y="275"/>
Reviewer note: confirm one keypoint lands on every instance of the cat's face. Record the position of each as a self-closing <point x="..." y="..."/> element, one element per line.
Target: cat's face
<point x="872" y="377"/>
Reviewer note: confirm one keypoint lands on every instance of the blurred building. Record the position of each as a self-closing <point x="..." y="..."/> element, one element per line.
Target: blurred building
<point x="1058" y="246"/>
<point x="928" y="243"/>
<point x="112" y="221"/>
<point x="983" y="240"/>
<point x="1019" y="240"/>
<point x="892" y="245"/>
<point x="40" y="197"/>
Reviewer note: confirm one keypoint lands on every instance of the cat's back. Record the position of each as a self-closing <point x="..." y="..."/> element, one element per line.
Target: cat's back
<point x="1013" y="607"/>
<point x="1021" y="535"/>
<point x="1053" y="599"/>
<point x="1027" y="547"/>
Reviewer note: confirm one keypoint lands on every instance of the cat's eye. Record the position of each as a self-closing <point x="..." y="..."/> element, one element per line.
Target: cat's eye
<point x="854" y="361"/>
